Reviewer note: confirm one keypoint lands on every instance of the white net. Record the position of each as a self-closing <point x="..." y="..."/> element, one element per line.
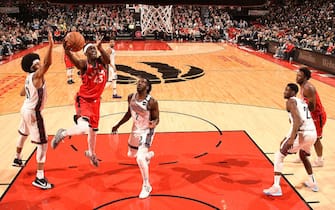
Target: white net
<point x="156" y="18"/>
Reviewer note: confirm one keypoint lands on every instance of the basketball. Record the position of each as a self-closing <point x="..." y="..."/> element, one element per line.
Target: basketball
<point x="75" y="41"/>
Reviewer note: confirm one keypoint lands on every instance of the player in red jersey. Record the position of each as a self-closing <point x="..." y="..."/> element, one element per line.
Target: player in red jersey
<point x="310" y="95"/>
<point x="93" y="72"/>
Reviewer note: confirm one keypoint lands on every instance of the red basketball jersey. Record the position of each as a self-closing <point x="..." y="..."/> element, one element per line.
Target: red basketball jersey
<point x="319" y="110"/>
<point x="93" y="81"/>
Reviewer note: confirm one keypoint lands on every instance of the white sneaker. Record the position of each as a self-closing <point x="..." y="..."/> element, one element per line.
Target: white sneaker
<point x="273" y="191"/>
<point x="146" y="190"/>
<point x="313" y="186"/>
<point x="318" y="163"/>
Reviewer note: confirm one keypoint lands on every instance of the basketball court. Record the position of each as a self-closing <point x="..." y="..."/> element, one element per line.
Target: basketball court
<point x="222" y="118"/>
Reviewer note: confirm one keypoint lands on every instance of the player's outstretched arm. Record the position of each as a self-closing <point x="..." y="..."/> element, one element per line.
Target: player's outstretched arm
<point x="104" y="55"/>
<point x="39" y="74"/>
<point x="48" y="58"/>
<point x="125" y="117"/>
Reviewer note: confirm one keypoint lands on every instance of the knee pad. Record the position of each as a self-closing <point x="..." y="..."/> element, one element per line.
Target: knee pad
<point x="278" y="162"/>
<point x="132" y="150"/>
<point x="41" y="153"/>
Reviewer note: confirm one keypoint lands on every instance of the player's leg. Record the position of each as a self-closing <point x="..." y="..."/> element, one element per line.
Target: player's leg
<point x="23" y="135"/>
<point x="114" y="83"/>
<point x="94" y="108"/>
<point x="40" y="180"/>
<point x="318" y="150"/>
<point x="305" y="151"/>
<point x="275" y="189"/>
<point x="143" y="159"/>
<point x="91" y="143"/>
<point x="82" y="117"/>
<point x="40" y="138"/>
<point x="319" y="122"/>
<point x="144" y="168"/>
<point x="82" y="127"/>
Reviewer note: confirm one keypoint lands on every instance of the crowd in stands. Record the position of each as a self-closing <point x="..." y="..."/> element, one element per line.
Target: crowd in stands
<point x="307" y="25"/>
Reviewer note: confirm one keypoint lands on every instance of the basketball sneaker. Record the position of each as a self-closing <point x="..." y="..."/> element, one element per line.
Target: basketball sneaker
<point x="150" y="155"/>
<point x="57" y="138"/>
<point x="145" y="192"/>
<point x="42" y="183"/>
<point x="116" y="96"/>
<point x="93" y="158"/>
<point x="70" y="82"/>
<point x="273" y="191"/>
<point x="17" y="163"/>
<point x="318" y="163"/>
<point x="313" y="186"/>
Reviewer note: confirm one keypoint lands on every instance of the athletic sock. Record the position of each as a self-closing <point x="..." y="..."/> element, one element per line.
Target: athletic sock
<point x="311" y="178"/>
<point x="277" y="180"/>
<point x="40" y="174"/>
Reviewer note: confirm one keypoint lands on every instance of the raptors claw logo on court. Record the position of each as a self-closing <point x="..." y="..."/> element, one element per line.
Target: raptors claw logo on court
<point x="168" y="73"/>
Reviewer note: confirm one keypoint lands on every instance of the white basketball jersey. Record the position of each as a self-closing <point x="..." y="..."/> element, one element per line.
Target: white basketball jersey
<point x="35" y="97"/>
<point x="308" y="123"/>
<point x="139" y="112"/>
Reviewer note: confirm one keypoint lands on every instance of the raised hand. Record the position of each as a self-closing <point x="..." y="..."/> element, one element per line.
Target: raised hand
<point x="98" y="39"/>
<point x="50" y="38"/>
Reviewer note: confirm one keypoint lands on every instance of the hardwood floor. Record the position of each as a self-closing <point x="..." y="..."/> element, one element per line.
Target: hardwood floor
<point x="229" y="87"/>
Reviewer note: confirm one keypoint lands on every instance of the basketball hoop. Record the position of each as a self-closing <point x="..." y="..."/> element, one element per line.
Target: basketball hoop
<point x="156" y="18"/>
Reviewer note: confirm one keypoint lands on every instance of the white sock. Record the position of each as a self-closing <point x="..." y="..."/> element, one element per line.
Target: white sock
<point x="40" y="174"/>
<point x="146" y="182"/>
<point x="320" y="158"/>
<point x="311" y="179"/>
<point x="277" y="180"/>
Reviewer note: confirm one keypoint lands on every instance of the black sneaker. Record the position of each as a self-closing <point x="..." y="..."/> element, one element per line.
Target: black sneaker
<point x="17" y="162"/>
<point x="70" y="82"/>
<point x="42" y="183"/>
<point x="116" y="96"/>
